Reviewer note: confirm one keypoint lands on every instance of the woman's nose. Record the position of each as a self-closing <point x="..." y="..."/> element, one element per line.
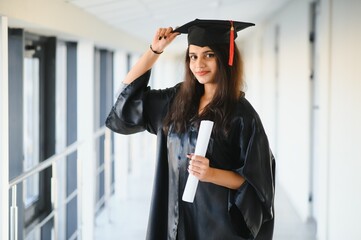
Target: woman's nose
<point x="200" y="62"/>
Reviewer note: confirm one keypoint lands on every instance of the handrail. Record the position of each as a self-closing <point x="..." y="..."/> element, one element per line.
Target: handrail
<point x="38" y="168"/>
<point x="48" y="162"/>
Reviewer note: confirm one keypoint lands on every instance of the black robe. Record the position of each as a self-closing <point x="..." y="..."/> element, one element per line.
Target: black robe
<point x="217" y="212"/>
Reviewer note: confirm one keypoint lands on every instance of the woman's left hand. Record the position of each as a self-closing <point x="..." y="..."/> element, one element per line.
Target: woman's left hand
<point x="199" y="167"/>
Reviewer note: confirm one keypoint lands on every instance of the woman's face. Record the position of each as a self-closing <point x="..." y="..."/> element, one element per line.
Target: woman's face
<point x="203" y="64"/>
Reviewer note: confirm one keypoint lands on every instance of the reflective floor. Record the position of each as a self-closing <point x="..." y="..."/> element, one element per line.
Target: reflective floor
<point x="127" y="219"/>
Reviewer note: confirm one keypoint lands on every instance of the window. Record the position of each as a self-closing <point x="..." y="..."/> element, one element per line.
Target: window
<point x="38" y="127"/>
<point x="103" y="67"/>
<point x="31" y="125"/>
<point x="31" y="128"/>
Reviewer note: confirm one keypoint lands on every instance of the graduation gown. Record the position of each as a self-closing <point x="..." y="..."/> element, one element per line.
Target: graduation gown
<point x="217" y="212"/>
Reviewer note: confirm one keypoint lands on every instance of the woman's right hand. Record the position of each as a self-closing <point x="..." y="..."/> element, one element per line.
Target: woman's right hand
<point x="162" y="38"/>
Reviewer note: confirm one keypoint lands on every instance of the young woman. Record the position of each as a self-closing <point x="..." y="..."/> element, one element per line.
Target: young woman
<point x="234" y="198"/>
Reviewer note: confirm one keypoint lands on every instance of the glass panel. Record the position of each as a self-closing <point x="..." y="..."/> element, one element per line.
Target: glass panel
<point x="33" y="235"/>
<point x="31" y="128"/>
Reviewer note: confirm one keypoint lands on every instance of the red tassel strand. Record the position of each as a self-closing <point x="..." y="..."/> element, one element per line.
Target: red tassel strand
<point x="231" y="45"/>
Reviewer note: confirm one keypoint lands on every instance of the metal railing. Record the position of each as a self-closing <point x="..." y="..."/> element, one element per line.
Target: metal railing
<point x="52" y="162"/>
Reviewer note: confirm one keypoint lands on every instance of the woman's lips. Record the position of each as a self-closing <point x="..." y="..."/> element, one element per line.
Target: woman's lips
<point x="201" y="73"/>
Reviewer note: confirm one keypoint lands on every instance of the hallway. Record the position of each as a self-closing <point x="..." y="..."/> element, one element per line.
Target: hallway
<point x="64" y="175"/>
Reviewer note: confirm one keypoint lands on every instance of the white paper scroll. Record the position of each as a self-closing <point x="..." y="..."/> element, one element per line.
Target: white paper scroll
<point x="204" y="134"/>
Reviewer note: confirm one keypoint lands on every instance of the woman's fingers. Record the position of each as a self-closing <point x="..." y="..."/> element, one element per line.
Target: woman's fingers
<point x="164" y="32"/>
<point x="198" y="166"/>
<point x="196" y="170"/>
<point x="162" y="38"/>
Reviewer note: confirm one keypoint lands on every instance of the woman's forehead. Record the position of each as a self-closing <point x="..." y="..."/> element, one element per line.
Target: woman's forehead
<point x="198" y="49"/>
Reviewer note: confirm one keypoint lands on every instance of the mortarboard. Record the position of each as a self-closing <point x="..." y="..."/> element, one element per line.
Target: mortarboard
<point x="209" y="32"/>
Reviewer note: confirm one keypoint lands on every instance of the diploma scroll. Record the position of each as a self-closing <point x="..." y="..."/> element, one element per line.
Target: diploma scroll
<point x="204" y="134"/>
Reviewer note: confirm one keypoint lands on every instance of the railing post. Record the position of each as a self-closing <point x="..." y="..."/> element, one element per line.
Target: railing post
<point x="54" y="198"/>
<point x="13" y="215"/>
<point x="107" y="170"/>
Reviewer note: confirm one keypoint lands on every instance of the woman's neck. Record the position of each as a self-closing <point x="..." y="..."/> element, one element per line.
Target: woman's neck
<point x="209" y="92"/>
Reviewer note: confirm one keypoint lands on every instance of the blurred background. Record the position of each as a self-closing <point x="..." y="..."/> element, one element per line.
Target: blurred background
<point x="63" y="175"/>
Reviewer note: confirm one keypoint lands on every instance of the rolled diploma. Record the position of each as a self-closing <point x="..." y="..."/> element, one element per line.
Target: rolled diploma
<point x="204" y="134"/>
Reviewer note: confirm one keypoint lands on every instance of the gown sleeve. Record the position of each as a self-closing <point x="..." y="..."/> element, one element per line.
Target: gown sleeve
<point x="139" y="108"/>
<point x="251" y="206"/>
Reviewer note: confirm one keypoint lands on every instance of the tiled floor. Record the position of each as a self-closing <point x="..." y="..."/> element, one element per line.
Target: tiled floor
<point x="288" y="225"/>
<point x="127" y="219"/>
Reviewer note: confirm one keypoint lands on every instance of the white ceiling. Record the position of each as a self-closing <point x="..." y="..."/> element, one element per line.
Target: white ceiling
<point x="141" y="18"/>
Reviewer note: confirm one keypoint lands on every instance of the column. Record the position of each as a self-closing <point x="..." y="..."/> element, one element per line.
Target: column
<point x="86" y="152"/>
<point x="4" y="131"/>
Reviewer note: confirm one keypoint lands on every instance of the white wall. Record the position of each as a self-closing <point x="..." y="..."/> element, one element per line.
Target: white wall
<point x="59" y="18"/>
<point x="345" y="118"/>
<point x="287" y="96"/>
<point x="258" y="57"/>
<point x="336" y="165"/>
<point x="168" y="71"/>
<point x="322" y="155"/>
<point x="294" y="105"/>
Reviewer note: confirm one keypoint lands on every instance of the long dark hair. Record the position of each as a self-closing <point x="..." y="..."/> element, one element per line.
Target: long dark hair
<point x="184" y="109"/>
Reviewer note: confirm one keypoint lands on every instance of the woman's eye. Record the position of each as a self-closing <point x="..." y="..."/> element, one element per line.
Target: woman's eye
<point x="210" y="55"/>
<point x="193" y="57"/>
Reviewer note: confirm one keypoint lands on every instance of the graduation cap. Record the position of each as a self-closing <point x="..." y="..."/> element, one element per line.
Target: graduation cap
<point x="209" y="32"/>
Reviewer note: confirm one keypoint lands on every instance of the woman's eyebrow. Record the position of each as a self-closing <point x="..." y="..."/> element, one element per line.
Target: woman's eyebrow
<point x="207" y="51"/>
